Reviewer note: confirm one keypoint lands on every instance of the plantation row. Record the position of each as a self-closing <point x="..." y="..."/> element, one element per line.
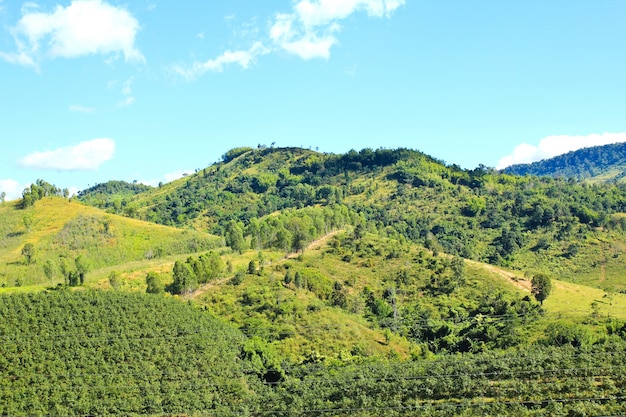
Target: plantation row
<point x="109" y="353"/>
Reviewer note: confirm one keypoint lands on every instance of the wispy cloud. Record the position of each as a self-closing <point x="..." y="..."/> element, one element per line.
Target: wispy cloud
<point x="81" y="109"/>
<point x="85" y="156"/>
<point x="242" y="58"/>
<point x="127" y="92"/>
<point x="85" y="27"/>
<point x="12" y="188"/>
<point x="552" y="146"/>
<point x="309" y="30"/>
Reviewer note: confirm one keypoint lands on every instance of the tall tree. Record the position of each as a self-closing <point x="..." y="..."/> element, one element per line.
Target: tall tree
<point x="82" y="267"/>
<point x="234" y="236"/>
<point x="541" y="287"/>
<point x="185" y="280"/>
<point x="49" y="268"/>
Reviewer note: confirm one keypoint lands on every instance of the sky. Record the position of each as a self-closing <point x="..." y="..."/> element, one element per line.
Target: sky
<point x="146" y="90"/>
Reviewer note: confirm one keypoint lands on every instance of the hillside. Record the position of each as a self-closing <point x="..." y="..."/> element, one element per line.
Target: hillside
<point x="594" y="164"/>
<point x="370" y="283"/>
<point x="529" y="224"/>
<point x="59" y="231"/>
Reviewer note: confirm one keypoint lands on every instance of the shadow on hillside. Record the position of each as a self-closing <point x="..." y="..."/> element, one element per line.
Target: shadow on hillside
<point x="16" y="234"/>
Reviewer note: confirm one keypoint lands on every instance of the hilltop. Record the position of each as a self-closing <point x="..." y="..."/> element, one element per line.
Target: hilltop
<point x="593" y="164"/>
<point x="526" y="223"/>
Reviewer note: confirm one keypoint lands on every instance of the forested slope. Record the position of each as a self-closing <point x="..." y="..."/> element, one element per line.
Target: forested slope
<point x="596" y="164"/>
<point x="528" y="223"/>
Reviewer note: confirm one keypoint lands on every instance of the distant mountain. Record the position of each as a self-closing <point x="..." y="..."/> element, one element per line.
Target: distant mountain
<point x="597" y="164"/>
<point x="111" y="194"/>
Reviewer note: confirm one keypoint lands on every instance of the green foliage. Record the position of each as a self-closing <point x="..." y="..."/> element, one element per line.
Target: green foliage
<point x="234" y="236"/>
<point x="114" y="280"/>
<point x="234" y="153"/>
<point x="28" y="252"/>
<point x="153" y="283"/>
<point x="115" y="353"/>
<point x="113" y="196"/>
<point x="185" y="279"/>
<point x="37" y="191"/>
<point x="82" y="267"/>
<point x="607" y="162"/>
<point x="541" y="287"/>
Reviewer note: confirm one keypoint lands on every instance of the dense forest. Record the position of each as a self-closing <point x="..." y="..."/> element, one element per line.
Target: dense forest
<point x="600" y="163"/>
<point x="283" y="281"/>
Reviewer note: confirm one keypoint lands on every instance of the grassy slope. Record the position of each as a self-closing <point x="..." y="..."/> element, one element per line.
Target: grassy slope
<point x="58" y="228"/>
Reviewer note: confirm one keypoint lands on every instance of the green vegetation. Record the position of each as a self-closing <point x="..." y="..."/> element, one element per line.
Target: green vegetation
<point x="113" y="196"/>
<point x="113" y="353"/>
<point x="58" y="233"/>
<point x="596" y="164"/>
<point x="378" y="282"/>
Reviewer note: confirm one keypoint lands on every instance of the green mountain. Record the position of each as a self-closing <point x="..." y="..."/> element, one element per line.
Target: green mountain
<point x="594" y="164"/>
<point x="528" y="224"/>
<point x="378" y="282"/>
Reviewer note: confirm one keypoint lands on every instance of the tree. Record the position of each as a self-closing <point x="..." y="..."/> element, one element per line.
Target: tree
<point x="153" y="282"/>
<point x="252" y="267"/>
<point x="82" y="267"/>
<point x="234" y="236"/>
<point x="28" y="251"/>
<point x="49" y="268"/>
<point x="541" y="287"/>
<point x="64" y="266"/>
<point x="3" y="196"/>
<point x="185" y="280"/>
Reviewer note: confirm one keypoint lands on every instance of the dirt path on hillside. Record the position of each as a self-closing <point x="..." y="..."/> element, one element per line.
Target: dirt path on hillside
<point x="518" y="281"/>
<point x="316" y="244"/>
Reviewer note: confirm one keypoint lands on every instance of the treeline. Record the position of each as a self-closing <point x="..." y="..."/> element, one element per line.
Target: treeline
<point x="39" y="190"/>
<point x="479" y="214"/>
<point x="581" y="164"/>
<point x="113" y="353"/>
<point x="113" y="196"/>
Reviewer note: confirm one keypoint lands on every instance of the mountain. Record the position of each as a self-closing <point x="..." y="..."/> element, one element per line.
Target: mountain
<point x="529" y="224"/>
<point x="594" y="164"/>
<point x="376" y="282"/>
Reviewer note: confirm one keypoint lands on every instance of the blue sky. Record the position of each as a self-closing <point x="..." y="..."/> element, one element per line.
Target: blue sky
<point x="93" y="90"/>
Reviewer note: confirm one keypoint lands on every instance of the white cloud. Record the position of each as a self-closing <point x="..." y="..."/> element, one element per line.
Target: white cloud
<point x="81" y="109"/>
<point x="172" y="176"/>
<point x="309" y="30"/>
<point x="84" y="27"/>
<point x="552" y="146"/>
<point x="243" y="58"/>
<point x="86" y="156"/>
<point x="12" y="188"/>
<point x="322" y="12"/>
